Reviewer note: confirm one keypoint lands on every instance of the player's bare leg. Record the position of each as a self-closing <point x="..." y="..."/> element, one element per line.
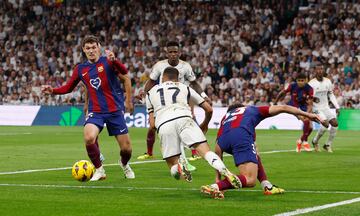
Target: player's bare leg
<point x="91" y="132"/>
<point x="319" y="134"/>
<point x="125" y="154"/>
<point x="150" y="140"/>
<point x="332" y="134"/>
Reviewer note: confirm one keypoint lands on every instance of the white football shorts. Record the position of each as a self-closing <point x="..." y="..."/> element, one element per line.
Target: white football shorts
<point x="182" y="131"/>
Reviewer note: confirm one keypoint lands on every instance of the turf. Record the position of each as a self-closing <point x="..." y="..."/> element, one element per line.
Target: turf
<point x="311" y="179"/>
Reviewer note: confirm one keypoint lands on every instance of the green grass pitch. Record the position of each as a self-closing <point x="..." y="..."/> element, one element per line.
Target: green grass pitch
<point x="310" y="179"/>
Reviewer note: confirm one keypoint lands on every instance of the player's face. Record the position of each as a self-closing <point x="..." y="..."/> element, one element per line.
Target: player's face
<point x="173" y="55"/>
<point x="92" y="51"/>
<point x="319" y="72"/>
<point x="301" y="82"/>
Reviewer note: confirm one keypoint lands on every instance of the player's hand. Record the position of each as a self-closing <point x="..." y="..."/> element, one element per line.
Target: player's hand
<point x="46" y="89"/>
<point x="110" y="55"/>
<point x="316" y="118"/>
<point x="129" y="107"/>
<point x="337" y="112"/>
<point x="141" y="95"/>
<point x="204" y="127"/>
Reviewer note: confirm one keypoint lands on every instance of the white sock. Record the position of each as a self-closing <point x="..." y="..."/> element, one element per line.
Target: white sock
<point x="266" y="183"/>
<point x="215" y="161"/>
<point x="174" y="172"/>
<point x="215" y="186"/>
<point x="319" y="134"/>
<point x="332" y="134"/>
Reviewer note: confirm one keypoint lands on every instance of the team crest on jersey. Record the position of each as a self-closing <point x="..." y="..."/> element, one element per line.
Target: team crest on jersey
<point x="100" y="69"/>
<point x="95" y="83"/>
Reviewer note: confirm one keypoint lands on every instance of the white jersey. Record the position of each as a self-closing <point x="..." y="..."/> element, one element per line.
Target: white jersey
<point x="186" y="73"/>
<point x="322" y="91"/>
<point x="170" y="100"/>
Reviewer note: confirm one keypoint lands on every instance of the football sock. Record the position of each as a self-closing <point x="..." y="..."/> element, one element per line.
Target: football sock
<point x="306" y="130"/>
<point x="261" y="176"/>
<point x="320" y="133"/>
<point x="194" y="152"/>
<point x="214" y="161"/>
<point x="94" y="154"/>
<point x="266" y="183"/>
<point x="225" y="184"/>
<point x="174" y="171"/>
<point x="150" y="141"/>
<point x="125" y="156"/>
<point x="332" y="134"/>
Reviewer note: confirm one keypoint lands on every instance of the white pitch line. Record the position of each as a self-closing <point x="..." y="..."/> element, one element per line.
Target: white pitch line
<point x="13" y="134"/>
<point x="115" y="164"/>
<point x="159" y="188"/>
<point x="318" y="208"/>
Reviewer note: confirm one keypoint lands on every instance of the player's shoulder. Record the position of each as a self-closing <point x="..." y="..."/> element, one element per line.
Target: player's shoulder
<point x="312" y="81"/>
<point x="185" y="64"/>
<point x="161" y="63"/>
<point x="327" y="80"/>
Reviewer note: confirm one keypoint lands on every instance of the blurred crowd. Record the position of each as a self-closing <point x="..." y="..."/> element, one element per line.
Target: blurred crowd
<point x="243" y="51"/>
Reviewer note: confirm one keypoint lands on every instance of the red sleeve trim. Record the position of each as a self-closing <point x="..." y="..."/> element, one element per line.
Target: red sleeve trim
<point x="264" y="111"/>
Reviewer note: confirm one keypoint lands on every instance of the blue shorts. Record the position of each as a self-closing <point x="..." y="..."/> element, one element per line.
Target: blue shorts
<point x="115" y="122"/>
<point x="240" y="144"/>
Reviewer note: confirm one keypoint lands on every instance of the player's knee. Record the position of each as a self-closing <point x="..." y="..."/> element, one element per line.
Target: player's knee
<point x="334" y="124"/>
<point x="89" y="139"/>
<point x="250" y="181"/>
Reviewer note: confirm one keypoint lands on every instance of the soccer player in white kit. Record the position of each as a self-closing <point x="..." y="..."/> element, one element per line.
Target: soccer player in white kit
<point x="186" y="76"/>
<point x="170" y="113"/>
<point x="323" y="91"/>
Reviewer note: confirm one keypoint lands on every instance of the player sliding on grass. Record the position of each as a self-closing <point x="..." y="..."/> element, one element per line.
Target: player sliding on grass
<point x="106" y="102"/>
<point x="168" y="106"/>
<point x="236" y="137"/>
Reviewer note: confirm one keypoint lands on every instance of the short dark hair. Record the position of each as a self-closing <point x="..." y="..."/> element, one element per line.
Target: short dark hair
<point x="172" y="43"/>
<point x="90" y="39"/>
<point x="301" y="76"/>
<point x="172" y="73"/>
<point x="234" y="106"/>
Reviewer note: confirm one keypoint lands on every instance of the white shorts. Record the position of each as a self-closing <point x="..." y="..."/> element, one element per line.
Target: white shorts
<point x="183" y="131"/>
<point x="325" y="113"/>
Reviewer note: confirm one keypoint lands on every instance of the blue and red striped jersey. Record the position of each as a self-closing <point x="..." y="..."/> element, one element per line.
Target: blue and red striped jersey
<point x="245" y="119"/>
<point x="102" y="84"/>
<point x="299" y="96"/>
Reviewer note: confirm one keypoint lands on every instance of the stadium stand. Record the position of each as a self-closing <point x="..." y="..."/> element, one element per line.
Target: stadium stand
<point x="241" y="51"/>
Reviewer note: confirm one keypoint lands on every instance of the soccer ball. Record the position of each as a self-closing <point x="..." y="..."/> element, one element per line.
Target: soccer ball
<point x="83" y="170"/>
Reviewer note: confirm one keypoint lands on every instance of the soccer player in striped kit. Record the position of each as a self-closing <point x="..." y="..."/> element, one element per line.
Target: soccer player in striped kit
<point x="100" y="76"/>
<point x="301" y="97"/>
<point x="236" y="136"/>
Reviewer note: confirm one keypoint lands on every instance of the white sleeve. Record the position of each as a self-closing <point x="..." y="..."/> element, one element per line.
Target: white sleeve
<point x="149" y="106"/>
<point x="332" y="96"/>
<point x="195" y="97"/>
<point x="190" y="75"/>
<point x="155" y="72"/>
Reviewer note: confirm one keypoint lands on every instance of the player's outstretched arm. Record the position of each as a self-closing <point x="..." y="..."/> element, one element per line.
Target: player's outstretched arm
<point x="46" y="89"/>
<point x="277" y="109"/>
<point x="208" y="114"/>
<point x="127" y="85"/>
